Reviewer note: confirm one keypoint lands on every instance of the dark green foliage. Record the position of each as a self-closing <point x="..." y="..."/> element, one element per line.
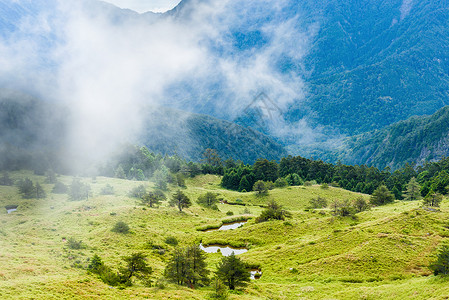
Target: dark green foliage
<point x="137" y="266"/>
<point x="138" y="191"/>
<point x="26" y="188"/>
<point x="294" y="179"/>
<point x="171" y="240"/>
<point x="432" y="199"/>
<point x="280" y="183"/>
<point x="381" y="196"/>
<point x="208" y="200"/>
<point x="6" y="180"/>
<point x="152" y="199"/>
<point x="233" y="271"/>
<point x="120" y="227"/>
<point x="360" y="204"/>
<point x="74" y="244"/>
<point x="318" y="202"/>
<point x="260" y="188"/>
<point x="211" y="158"/>
<point x="229" y="213"/>
<point x="274" y="211"/>
<point x="39" y="190"/>
<point x="265" y="170"/>
<point x="220" y="290"/>
<point x="180" y="200"/>
<point x="441" y="265"/>
<point x="50" y="176"/>
<point x="413" y="190"/>
<point x="59" y="188"/>
<point x="107" y="190"/>
<point x="78" y="190"/>
<point x="161" y="178"/>
<point x="180" y="180"/>
<point x="342" y="208"/>
<point x="120" y="173"/>
<point x="187" y="266"/>
<point x="244" y="184"/>
<point x="324" y="186"/>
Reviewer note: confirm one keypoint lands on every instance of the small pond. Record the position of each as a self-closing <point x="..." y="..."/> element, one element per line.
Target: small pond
<point x="229" y="226"/>
<point x="225" y="250"/>
<point x="11" y="208"/>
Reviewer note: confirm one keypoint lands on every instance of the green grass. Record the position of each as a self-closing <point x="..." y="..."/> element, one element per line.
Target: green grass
<point x="382" y="254"/>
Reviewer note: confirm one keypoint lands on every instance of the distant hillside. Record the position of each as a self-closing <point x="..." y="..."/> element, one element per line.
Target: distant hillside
<point x="172" y="131"/>
<point x="31" y="131"/>
<point x="415" y="140"/>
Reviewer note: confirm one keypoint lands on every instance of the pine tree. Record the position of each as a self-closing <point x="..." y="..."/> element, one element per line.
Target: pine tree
<point x="180" y="200"/>
<point x="40" y="193"/>
<point x="413" y="191"/>
<point x="233" y="271"/>
<point x="441" y="265"/>
<point x="381" y="196"/>
<point x="433" y="199"/>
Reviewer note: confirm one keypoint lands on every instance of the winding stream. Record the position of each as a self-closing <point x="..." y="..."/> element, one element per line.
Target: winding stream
<point x="228" y="226"/>
<point x="224" y="250"/>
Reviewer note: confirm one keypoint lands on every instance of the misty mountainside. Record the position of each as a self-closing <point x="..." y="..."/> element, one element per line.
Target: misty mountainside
<point x="33" y="134"/>
<point x="171" y="131"/>
<point x="414" y="141"/>
<point x="333" y="69"/>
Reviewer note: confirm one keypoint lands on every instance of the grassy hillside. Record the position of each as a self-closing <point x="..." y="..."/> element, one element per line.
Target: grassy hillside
<point x="382" y="254"/>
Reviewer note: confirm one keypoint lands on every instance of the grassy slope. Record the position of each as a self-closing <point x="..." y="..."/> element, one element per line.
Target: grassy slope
<point x="382" y="254"/>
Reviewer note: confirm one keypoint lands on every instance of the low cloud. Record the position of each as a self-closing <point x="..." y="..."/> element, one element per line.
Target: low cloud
<point x="107" y="65"/>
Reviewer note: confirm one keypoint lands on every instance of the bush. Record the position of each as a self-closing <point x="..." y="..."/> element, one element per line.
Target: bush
<point x="107" y="190"/>
<point x="360" y="204"/>
<point x="120" y="227"/>
<point x="280" y="183"/>
<point x="137" y="192"/>
<point x="324" y="186"/>
<point x="229" y="213"/>
<point x="441" y="265"/>
<point x="318" y="202"/>
<point x="170" y="240"/>
<point x="274" y="211"/>
<point x="260" y="187"/>
<point x="381" y="196"/>
<point x="74" y="244"/>
<point x="308" y="183"/>
<point x="59" y="188"/>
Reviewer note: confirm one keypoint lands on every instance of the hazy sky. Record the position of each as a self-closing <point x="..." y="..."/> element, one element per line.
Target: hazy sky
<point x="145" y="5"/>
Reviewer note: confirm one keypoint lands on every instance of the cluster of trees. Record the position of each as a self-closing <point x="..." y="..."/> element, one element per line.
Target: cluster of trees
<point x="30" y="190"/>
<point x="186" y="266"/>
<point x="297" y="170"/>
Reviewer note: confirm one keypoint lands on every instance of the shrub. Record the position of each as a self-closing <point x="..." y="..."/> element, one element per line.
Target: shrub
<point x="137" y="192"/>
<point x="120" y="227"/>
<point x="171" y="240"/>
<point x="260" y="187"/>
<point x="360" y="204"/>
<point x="308" y="183"/>
<point x="324" y="186"/>
<point x="280" y="183"/>
<point x="441" y="265"/>
<point x="107" y="190"/>
<point x="381" y="196"/>
<point x="274" y="211"/>
<point x="318" y="202"/>
<point x="74" y="244"/>
<point x="229" y="213"/>
<point x="59" y="188"/>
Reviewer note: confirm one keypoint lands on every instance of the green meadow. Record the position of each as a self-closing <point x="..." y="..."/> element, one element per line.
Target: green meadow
<point x="383" y="253"/>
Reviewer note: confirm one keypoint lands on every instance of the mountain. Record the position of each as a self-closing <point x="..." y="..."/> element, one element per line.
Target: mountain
<point x="35" y="134"/>
<point x="414" y="141"/>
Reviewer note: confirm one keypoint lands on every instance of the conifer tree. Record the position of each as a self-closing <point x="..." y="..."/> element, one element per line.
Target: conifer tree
<point x="413" y="190"/>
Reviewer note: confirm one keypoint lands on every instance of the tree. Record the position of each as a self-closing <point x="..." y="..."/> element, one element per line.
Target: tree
<point x="120" y="173"/>
<point x="160" y="177"/>
<point x="260" y="187"/>
<point x="153" y="198"/>
<point x="413" y="191"/>
<point x="187" y="266"/>
<point x="59" y="188"/>
<point x="274" y="211"/>
<point x="6" y="180"/>
<point x="136" y="265"/>
<point x="318" y="202"/>
<point x="78" y="190"/>
<point x="433" y="199"/>
<point x="50" y="176"/>
<point x="244" y="184"/>
<point x="381" y="196"/>
<point x="441" y="265"/>
<point x="208" y="200"/>
<point x="180" y="200"/>
<point x="266" y="170"/>
<point x="280" y="183"/>
<point x="138" y="191"/>
<point x="360" y="204"/>
<point x="211" y="157"/>
<point x="233" y="271"/>
<point x="26" y="188"/>
<point x="40" y="193"/>
<point x="180" y="180"/>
